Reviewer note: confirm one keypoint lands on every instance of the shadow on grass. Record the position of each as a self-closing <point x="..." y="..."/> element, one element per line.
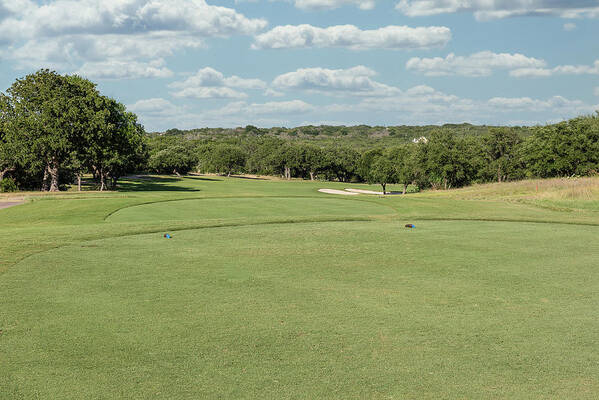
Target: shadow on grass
<point x="253" y="178"/>
<point x="148" y="183"/>
<point x="201" y="178"/>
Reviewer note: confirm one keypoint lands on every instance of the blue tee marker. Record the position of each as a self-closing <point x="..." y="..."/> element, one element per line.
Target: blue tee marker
<point x="411" y="226"/>
<point x="167" y="236"/>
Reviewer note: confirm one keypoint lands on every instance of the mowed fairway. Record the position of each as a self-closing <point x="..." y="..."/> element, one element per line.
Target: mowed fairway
<point x="271" y="290"/>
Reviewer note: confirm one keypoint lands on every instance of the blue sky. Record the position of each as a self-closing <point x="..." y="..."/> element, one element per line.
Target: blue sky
<point x="196" y="63"/>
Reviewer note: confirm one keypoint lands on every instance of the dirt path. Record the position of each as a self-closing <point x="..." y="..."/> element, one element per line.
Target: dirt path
<point x="6" y="204"/>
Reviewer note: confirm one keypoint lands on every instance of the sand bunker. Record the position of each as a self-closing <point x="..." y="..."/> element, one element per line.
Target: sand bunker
<point x="363" y="191"/>
<point x="333" y="191"/>
<point x="371" y="192"/>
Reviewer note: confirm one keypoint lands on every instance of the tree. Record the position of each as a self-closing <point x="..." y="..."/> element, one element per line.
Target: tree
<point x="564" y="149"/>
<point x="7" y="156"/>
<point x="172" y="160"/>
<point x="129" y="152"/>
<point x="46" y="112"/>
<point x="404" y="160"/>
<point x="314" y="160"/>
<point x="366" y="160"/>
<point x="227" y="159"/>
<point x="501" y="146"/>
<point x="252" y="130"/>
<point x="260" y="152"/>
<point x="382" y="171"/>
<point x="57" y="125"/>
<point x="288" y="160"/>
<point x="446" y="163"/>
<point x="341" y="163"/>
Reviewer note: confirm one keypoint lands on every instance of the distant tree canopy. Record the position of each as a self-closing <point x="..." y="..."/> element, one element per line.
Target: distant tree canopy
<point x="446" y="159"/>
<point x="54" y="127"/>
<point x="564" y="149"/>
<point x="176" y="159"/>
<point x="227" y="159"/>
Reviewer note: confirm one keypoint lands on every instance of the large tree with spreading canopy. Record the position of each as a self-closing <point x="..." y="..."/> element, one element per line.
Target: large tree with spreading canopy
<point x="53" y="124"/>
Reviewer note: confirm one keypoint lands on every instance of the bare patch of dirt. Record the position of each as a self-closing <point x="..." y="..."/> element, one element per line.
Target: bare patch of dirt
<point x="6" y="204"/>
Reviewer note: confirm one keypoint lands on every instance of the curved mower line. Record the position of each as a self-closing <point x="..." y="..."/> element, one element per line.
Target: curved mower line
<point x="365" y="200"/>
<point x="298" y="220"/>
<point x="303" y="221"/>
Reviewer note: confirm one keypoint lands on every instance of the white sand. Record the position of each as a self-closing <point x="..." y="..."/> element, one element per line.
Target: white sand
<point x="371" y="192"/>
<point x="333" y="191"/>
<point x="363" y="191"/>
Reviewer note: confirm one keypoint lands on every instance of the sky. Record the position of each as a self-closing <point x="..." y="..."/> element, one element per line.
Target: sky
<point x="206" y="63"/>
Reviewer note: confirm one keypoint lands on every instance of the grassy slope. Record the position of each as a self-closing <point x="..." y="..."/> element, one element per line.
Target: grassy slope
<point x="95" y="307"/>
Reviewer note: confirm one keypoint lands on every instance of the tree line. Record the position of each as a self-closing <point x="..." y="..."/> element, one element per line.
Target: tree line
<point x="442" y="160"/>
<point x="55" y="128"/>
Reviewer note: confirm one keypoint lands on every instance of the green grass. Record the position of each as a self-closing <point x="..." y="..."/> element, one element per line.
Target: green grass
<point x="270" y="289"/>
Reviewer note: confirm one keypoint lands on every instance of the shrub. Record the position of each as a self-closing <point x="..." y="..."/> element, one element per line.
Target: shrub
<point x="8" y="185"/>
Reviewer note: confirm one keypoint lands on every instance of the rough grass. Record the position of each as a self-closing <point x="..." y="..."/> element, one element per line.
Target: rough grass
<point x="321" y="297"/>
<point x="538" y="189"/>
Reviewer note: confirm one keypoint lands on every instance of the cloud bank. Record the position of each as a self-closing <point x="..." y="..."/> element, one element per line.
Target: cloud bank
<point x="351" y="37"/>
<point x="497" y="9"/>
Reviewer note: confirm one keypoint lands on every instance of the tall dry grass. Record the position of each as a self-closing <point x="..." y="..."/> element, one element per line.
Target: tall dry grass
<point x="535" y="189"/>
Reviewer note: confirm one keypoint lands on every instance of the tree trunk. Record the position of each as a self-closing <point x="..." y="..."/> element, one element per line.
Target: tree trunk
<point x="311" y="175"/>
<point x="499" y="174"/>
<point x="405" y="188"/>
<point x="53" y="171"/>
<point x="45" y="179"/>
<point x="384" y="185"/>
<point x="79" y="182"/>
<point x="102" y="181"/>
<point x="445" y="183"/>
<point x="287" y="173"/>
<point x="4" y="172"/>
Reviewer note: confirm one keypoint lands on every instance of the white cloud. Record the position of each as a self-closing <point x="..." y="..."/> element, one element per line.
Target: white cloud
<point x="155" y="107"/>
<point x="332" y="4"/>
<point x="83" y="52"/>
<point x="496" y="9"/>
<point x="423" y="104"/>
<point x="125" y="70"/>
<point x="66" y="34"/>
<point x="569" y="26"/>
<point x="356" y="81"/>
<point x="419" y="103"/>
<point x="272" y="108"/>
<point x="416" y="105"/>
<point x="161" y="114"/>
<point x="158" y="113"/>
<point x="349" y="36"/>
<point x="210" y="93"/>
<point x="60" y="17"/>
<point x="273" y="93"/>
<point x="210" y="83"/>
<point x="477" y="64"/>
<point x="531" y="72"/>
<point x="556" y="104"/>
<point x="597" y="91"/>
<point x="323" y="4"/>
<point x="559" y="70"/>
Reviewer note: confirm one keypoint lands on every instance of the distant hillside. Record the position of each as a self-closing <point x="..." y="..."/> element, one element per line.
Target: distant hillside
<point x="402" y="133"/>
